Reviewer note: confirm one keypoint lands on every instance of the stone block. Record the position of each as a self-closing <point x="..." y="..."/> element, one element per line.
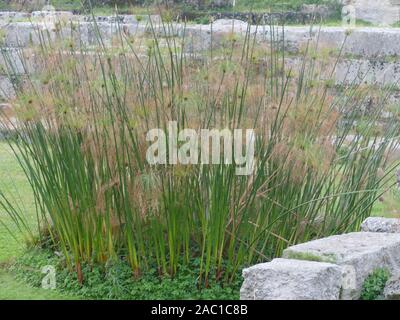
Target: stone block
<point x="285" y="279"/>
<point x="377" y="224"/>
<point x="360" y="253"/>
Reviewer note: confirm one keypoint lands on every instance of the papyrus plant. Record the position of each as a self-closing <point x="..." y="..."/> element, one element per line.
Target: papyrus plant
<point x="78" y="128"/>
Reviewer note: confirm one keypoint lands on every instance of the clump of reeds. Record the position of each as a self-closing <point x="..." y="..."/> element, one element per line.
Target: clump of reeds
<point x="82" y="118"/>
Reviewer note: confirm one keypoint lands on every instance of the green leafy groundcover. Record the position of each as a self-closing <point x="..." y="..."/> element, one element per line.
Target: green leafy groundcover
<point x="115" y="280"/>
<point x="374" y="285"/>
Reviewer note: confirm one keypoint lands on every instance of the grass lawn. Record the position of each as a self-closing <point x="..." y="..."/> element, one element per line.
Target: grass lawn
<point x="13" y="180"/>
<point x="388" y="206"/>
<point x="11" y="289"/>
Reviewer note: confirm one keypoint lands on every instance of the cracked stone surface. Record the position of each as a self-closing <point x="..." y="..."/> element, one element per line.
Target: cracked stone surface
<point x="382" y="12"/>
<point x="392" y="288"/>
<point x="376" y="224"/>
<point x="360" y="252"/>
<point x="285" y="279"/>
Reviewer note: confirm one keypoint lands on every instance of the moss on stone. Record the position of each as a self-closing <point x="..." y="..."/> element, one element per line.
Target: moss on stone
<point x="311" y="257"/>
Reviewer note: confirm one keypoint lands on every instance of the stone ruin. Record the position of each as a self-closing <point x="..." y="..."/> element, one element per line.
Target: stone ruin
<point x="332" y="268"/>
<point x="380" y="12"/>
<point x="361" y="63"/>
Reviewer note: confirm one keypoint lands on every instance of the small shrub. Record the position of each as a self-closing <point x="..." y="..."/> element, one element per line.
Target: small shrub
<point x="375" y="284"/>
<point x="203" y="20"/>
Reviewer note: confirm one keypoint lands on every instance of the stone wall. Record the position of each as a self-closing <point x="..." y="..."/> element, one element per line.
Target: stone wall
<point x="357" y="42"/>
<point x="331" y="268"/>
<point x="361" y="62"/>
<point x="381" y="12"/>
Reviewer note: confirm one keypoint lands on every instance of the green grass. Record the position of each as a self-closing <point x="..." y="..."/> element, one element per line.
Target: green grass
<point x="388" y="205"/>
<point x="12" y="289"/>
<point x="11" y="179"/>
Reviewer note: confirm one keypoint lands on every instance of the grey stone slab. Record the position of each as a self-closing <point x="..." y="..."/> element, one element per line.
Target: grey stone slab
<point x="284" y="279"/>
<point x="360" y="252"/>
<point x="377" y="224"/>
<point x="392" y="288"/>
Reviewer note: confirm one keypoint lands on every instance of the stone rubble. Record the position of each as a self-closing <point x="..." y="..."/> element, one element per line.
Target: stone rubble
<point x="376" y="224"/>
<point x="392" y="288"/>
<point x="382" y="12"/>
<point x="361" y="63"/>
<point x="363" y="251"/>
<point x="285" y="279"/>
<point x="329" y="268"/>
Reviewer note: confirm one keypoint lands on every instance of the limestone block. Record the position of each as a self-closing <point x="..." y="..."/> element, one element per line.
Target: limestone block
<point x="376" y="224"/>
<point x="360" y="252"/>
<point x="285" y="279"/>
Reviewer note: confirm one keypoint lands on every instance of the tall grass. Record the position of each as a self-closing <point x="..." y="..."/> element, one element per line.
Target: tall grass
<point x="79" y="134"/>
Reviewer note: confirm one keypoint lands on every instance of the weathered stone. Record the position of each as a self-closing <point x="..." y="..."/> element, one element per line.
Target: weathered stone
<point x="376" y="65"/>
<point x="382" y="12"/>
<point x="392" y="288"/>
<point x="12" y="59"/>
<point x="6" y="89"/>
<point x="362" y="71"/>
<point x="221" y="3"/>
<point x="20" y="34"/>
<point x="155" y="19"/>
<point x="50" y="13"/>
<point x="359" y="71"/>
<point x="8" y="16"/>
<point x="360" y="252"/>
<point x="320" y="11"/>
<point x="109" y="19"/>
<point x="373" y="224"/>
<point x="128" y="19"/>
<point x="230" y="25"/>
<point x="358" y="43"/>
<point x="4" y="107"/>
<point x="284" y="279"/>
